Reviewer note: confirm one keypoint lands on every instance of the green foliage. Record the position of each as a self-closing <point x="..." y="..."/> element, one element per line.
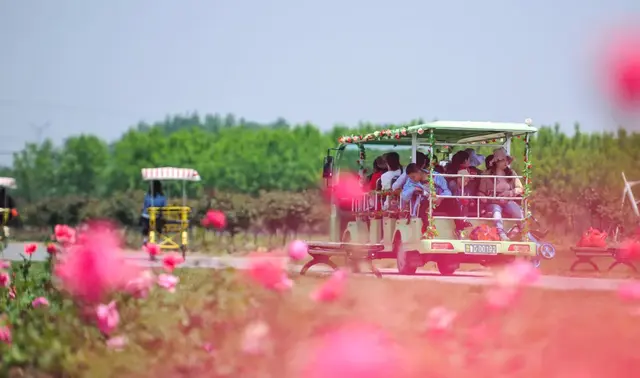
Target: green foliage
<point x="85" y="178"/>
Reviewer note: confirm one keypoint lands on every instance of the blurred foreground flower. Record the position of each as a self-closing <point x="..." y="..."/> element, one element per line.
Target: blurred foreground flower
<point x="108" y="317"/>
<point x="630" y="249"/>
<point x="624" y="69"/>
<point x="356" y="351"/>
<point x="255" y="338"/>
<point x="509" y="282"/>
<point x="346" y="189"/>
<point x="331" y="289"/>
<point x="171" y="261"/>
<point x="298" y="250"/>
<point x="5" y="279"/>
<point x="269" y="272"/>
<point x="95" y="265"/>
<point x="168" y="282"/>
<point x="629" y="291"/>
<point x="5" y="264"/>
<point x="5" y="334"/>
<point x="40" y="302"/>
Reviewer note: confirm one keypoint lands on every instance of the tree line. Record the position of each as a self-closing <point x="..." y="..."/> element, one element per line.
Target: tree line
<point x="253" y="169"/>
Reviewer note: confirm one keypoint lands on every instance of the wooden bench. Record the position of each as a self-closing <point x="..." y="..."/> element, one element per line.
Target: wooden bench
<point x="585" y="255"/>
<point x="353" y="253"/>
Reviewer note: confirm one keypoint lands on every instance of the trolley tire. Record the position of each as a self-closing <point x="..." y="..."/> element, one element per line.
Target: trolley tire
<point x="403" y="258"/>
<point x="447" y="268"/>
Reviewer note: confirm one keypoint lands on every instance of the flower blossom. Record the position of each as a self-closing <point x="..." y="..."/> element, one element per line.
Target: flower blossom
<point x="171" y="261"/>
<point x="40" y="302"/>
<point x="168" y="282"/>
<point x="215" y="219"/>
<point x="152" y="249"/>
<point x="107" y="317"/>
<point x="95" y="265"/>
<point x="139" y="287"/>
<point x="298" y="250"/>
<point x="331" y="289"/>
<point x="5" y="264"/>
<point x="64" y="234"/>
<point x="5" y="279"/>
<point x="52" y="249"/>
<point x="269" y="272"/>
<point x="30" y="248"/>
<point x="5" y="334"/>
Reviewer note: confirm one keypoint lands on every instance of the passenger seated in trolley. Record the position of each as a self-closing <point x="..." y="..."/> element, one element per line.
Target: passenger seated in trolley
<point x="504" y="187"/>
<point x="416" y="193"/>
<point x="154" y="198"/>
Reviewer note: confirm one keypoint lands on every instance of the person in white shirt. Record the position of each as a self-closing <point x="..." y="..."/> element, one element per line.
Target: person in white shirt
<point x="394" y="170"/>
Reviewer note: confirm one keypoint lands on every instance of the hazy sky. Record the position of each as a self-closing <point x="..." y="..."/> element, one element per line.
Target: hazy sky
<point x="99" y="66"/>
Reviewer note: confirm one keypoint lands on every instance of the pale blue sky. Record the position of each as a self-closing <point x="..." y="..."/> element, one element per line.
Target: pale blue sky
<point x="100" y="66"/>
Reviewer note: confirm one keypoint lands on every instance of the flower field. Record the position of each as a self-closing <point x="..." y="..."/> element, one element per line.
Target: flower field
<point x="86" y="312"/>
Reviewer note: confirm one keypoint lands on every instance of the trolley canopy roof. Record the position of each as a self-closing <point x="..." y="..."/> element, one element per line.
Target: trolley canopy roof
<point x="8" y="182"/>
<point x="170" y="173"/>
<point x="444" y="132"/>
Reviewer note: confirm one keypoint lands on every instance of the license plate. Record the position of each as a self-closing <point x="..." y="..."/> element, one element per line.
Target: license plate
<point x="481" y="249"/>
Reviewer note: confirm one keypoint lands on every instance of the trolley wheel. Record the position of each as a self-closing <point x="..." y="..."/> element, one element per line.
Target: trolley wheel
<point x="447" y="268"/>
<point x="183" y="248"/>
<point x="404" y="258"/>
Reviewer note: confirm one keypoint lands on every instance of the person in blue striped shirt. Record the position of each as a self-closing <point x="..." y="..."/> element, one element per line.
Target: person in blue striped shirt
<point x="416" y="190"/>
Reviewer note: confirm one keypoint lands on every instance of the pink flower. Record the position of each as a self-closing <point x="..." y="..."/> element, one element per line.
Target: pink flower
<point x="630" y="249"/>
<point x="171" y="261"/>
<point x="348" y="187"/>
<point x="215" y="219"/>
<point x="269" y="272"/>
<point x="629" y="291"/>
<point x="95" y="265"/>
<point x="356" y="351"/>
<point x="140" y="286"/>
<point x="255" y="337"/>
<point x="152" y="249"/>
<point x="40" y="302"/>
<point x="108" y="317"/>
<point x="331" y="289"/>
<point x="298" y="250"/>
<point x="208" y="347"/>
<point x="439" y="320"/>
<point x="5" y="279"/>
<point x="5" y="264"/>
<point x="30" y="248"/>
<point x="52" y="249"/>
<point x="64" y="234"/>
<point x="5" y="334"/>
<point x="12" y="293"/>
<point x="168" y="281"/>
<point x="117" y="342"/>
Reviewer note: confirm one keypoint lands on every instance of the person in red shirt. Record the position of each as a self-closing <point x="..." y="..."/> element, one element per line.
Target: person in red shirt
<point x="379" y="167"/>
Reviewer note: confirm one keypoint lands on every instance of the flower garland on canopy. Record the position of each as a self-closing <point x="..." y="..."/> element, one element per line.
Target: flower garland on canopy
<point x="526" y="172"/>
<point x="431" y="232"/>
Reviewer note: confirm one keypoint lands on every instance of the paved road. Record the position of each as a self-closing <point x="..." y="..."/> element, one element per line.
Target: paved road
<point x="202" y="261"/>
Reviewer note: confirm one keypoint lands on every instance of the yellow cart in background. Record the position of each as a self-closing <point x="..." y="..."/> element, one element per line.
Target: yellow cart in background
<point x="169" y="226"/>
